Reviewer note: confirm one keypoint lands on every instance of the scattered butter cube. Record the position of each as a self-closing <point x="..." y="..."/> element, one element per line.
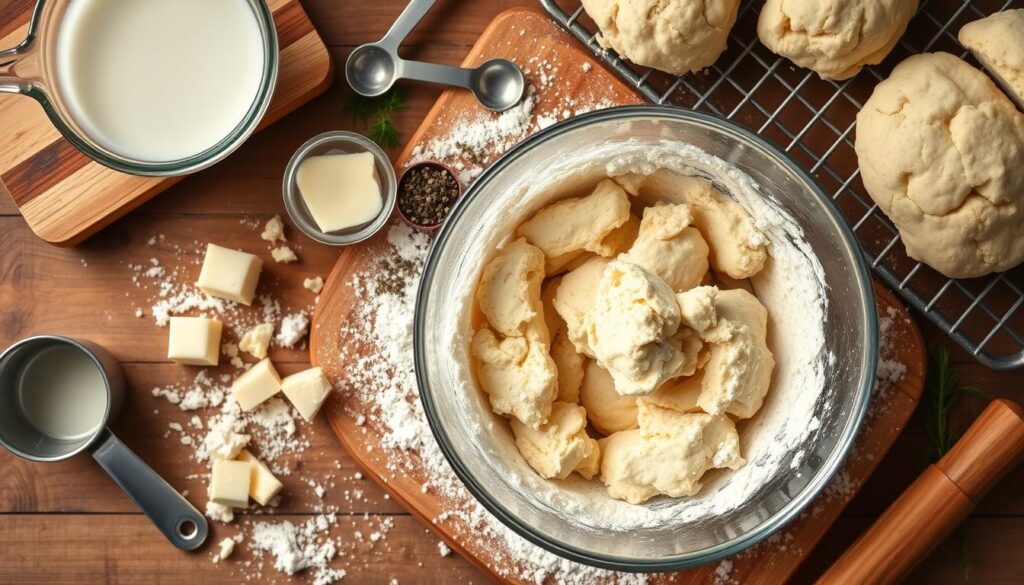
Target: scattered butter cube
<point x="229" y="274"/>
<point x="194" y="341"/>
<point x="307" y="390"/>
<point x="283" y="255"/>
<point x="340" y="190"/>
<point x="224" y="550"/>
<point x="256" y="385"/>
<point x="229" y="483"/>
<point x="256" y="340"/>
<point x="263" y="486"/>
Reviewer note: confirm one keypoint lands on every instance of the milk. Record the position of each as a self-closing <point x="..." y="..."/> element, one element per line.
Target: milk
<point x="62" y="393"/>
<point x="159" y="80"/>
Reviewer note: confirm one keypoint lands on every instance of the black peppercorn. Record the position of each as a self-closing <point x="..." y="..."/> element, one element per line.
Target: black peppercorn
<point x="426" y="194"/>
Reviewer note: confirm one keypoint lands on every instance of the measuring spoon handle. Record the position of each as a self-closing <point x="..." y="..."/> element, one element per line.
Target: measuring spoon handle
<point x="406" y="21"/>
<point x="180" y="522"/>
<point x="435" y="73"/>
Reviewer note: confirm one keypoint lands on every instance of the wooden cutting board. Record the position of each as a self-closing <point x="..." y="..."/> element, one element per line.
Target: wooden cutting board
<point x="529" y="37"/>
<point x="66" y="197"/>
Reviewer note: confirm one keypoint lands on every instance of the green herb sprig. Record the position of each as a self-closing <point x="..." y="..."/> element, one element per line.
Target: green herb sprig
<point x="943" y="391"/>
<point x="375" y="113"/>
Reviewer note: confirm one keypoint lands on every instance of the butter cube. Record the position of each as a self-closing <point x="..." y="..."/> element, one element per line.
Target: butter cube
<point x="307" y="390"/>
<point x="194" y="341"/>
<point x="256" y="385"/>
<point x="340" y="190"/>
<point x="229" y="483"/>
<point x="263" y="486"/>
<point x="229" y="274"/>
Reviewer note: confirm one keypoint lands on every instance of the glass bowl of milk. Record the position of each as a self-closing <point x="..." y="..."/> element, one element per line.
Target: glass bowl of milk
<point x="148" y="87"/>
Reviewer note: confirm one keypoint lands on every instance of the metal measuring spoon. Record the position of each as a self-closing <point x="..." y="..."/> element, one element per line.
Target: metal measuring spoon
<point x="373" y="68"/>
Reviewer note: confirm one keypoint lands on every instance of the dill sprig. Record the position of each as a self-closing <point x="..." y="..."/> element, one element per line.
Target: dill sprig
<point x="943" y="392"/>
<point x="374" y="113"/>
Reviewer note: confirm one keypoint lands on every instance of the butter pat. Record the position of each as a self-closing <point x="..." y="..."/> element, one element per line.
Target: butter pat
<point x="194" y="341"/>
<point x="229" y="483"/>
<point x="263" y="486"/>
<point x="340" y="190"/>
<point x="307" y="390"/>
<point x="255" y="386"/>
<point x="229" y="274"/>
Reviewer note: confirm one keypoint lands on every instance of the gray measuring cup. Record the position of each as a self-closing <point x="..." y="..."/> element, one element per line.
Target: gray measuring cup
<point x="56" y="397"/>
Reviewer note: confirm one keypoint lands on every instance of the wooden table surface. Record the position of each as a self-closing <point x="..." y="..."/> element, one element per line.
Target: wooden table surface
<point x="66" y="522"/>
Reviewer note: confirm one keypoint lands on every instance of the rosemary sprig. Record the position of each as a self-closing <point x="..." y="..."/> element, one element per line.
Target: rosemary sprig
<point x="943" y="391"/>
<point x="374" y="113"/>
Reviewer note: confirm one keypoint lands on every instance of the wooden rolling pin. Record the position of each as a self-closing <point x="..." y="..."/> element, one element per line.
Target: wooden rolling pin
<point x="937" y="501"/>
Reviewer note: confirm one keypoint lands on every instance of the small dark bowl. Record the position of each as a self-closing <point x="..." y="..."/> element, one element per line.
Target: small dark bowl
<point x="401" y="179"/>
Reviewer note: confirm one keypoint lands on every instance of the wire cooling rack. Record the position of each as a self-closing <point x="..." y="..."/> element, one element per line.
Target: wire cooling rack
<point x="813" y="121"/>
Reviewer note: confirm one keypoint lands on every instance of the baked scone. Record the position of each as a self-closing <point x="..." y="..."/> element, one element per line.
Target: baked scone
<point x="675" y="36"/>
<point x="941" y="150"/>
<point x="668" y="454"/>
<point x="997" y="41"/>
<point x="834" y="38"/>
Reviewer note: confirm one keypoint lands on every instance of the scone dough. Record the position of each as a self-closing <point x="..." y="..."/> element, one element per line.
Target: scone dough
<point x="668" y="454"/>
<point x="561" y="445"/>
<point x="998" y="43"/>
<point x="569" y="364"/>
<point x="737" y="246"/>
<point x="509" y="293"/>
<point x="631" y="329"/>
<point x="572" y="226"/>
<point x="609" y="411"/>
<point x="739" y="369"/>
<point x="834" y="38"/>
<point x="518" y="375"/>
<point x="675" y="36"/>
<point x="941" y="151"/>
<point x="574" y="299"/>
<point x="667" y="246"/>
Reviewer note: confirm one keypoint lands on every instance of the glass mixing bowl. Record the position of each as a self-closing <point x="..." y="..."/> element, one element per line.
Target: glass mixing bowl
<point x="850" y="334"/>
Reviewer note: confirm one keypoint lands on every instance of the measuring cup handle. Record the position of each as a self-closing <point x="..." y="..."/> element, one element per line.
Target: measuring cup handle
<point x="19" y="66"/>
<point x="406" y="21"/>
<point x="180" y="522"/>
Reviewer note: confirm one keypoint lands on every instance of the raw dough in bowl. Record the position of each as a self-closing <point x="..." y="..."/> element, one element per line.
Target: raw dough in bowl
<point x="788" y="279"/>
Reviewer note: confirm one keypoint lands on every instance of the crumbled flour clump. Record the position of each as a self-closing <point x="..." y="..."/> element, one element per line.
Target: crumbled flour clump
<point x="297" y="547"/>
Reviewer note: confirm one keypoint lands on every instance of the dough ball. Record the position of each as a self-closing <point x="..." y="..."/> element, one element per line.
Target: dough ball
<point x="509" y="293"/>
<point x="574" y="299"/>
<point x="998" y="43"/>
<point x="548" y="289"/>
<point x="569" y="364"/>
<point x="559" y="446"/>
<point x="834" y="38"/>
<point x="669" y="247"/>
<point x="631" y="329"/>
<point x="941" y="150"/>
<point x="609" y="411"/>
<point x="678" y="395"/>
<point x="518" y="375"/>
<point x="675" y="36"/>
<point x="572" y="226"/>
<point x="667" y="455"/>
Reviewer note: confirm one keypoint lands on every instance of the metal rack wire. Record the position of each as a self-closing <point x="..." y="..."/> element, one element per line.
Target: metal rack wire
<point x="813" y="121"/>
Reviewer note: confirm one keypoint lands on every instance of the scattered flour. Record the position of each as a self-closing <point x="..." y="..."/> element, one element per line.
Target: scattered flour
<point x="293" y="328"/>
